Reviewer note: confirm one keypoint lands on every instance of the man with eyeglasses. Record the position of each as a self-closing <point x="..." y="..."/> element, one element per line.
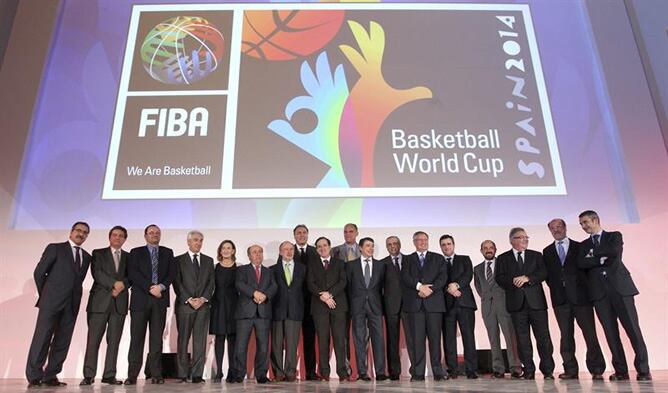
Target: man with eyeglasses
<point x="521" y="272"/>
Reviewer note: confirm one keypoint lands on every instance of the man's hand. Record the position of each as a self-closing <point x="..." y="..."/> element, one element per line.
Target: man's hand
<point x="117" y="288"/>
<point x="324" y="296"/>
<point x="156" y="291"/>
<point x="331" y="303"/>
<point x="425" y="290"/>
<point x="519" y="281"/>
<point x="259" y="297"/>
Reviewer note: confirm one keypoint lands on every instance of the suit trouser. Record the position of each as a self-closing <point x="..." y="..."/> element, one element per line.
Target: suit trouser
<point x="111" y="321"/>
<point x="566" y="315"/>
<point x="615" y="307"/>
<point x="369" y="325"/>
<point x="262" y="328"/>
<point x="525" y="320"/>
<point x="494" y="320"/>
<point x="465" y="318"/>
<point x="153" y="315"/>
<point x="52" y="337"/>
<point x="308" y="337"/>
<point x="426" y="326"/>
<point x="196" y="324"/>
<point x="284" y="339"/>
<point x="219" y="349"/>
<point x="393" y="324"/>
<point x="331" y="323"/>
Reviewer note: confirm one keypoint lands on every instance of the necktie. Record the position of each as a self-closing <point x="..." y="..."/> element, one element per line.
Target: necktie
<point x="288" y="273"/>
<point x="595" y="238"/>
<point x="257" y="273"/>
<point x="117" y="259"/>
<point x="449" y="260"/>
<point x="489" y="273"/>
<point x="520" y="259"/>
<point x="301" y="252"/>
<point x="350" y="256"/>
<point x="561" y="251"/>
<point x="326" y="263"/>
<point x="421" y="260"/>
<point x="196" y="263"/>
<point x="396" y="263"/>
<point x="77" y="258"/>
<point x="154" y="265"/>
<point x="367" y="272"/>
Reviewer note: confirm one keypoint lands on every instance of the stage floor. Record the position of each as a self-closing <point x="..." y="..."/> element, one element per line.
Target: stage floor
<point x="484" y="384"/>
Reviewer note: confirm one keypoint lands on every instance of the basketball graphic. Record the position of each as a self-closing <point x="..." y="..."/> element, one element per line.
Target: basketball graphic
<point x="288" y="34"/>
<point x="182" y="50"/>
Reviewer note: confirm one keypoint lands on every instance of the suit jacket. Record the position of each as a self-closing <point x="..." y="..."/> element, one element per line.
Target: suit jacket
<point x="332" y="280"/>
<point x="139" y="272"/>
<point x="358" y="293"/>
<point x="491" y="294"/>
<point x="461" y="272"/>
<point x="191" y="284"/>
<point x="340" y="252"/>
<point x="613" y="270"/>
<point x="288" y="303"/>
<point x="104" y="276"/>
<point x="507" y="268"/>
<point x="392" y="292"/>
<point x="435" y="272"/>
<point x="59" y="282"/>
<point x="567" y="283"/>
<point x="247" y="284"/>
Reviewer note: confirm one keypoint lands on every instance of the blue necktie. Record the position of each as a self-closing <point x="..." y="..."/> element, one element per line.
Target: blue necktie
<point x="421" y="256"/>
<point x="154" y="265"/>
<point x="561" y="251"/>
<point x="595" y="239"/>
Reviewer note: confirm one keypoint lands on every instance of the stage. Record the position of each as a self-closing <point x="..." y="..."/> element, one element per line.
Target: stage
<point x="484" y="384"/>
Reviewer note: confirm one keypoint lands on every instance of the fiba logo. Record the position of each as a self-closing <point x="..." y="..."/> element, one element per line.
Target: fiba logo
<point x="182" y="50"/>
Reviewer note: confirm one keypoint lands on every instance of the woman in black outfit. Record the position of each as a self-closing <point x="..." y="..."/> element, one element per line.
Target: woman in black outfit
<point x="223" y="307"/>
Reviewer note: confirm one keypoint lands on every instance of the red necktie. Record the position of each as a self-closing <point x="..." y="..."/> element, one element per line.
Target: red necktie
<point x="257" y="273"/>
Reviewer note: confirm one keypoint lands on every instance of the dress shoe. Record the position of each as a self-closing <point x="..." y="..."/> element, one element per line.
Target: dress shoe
<point x="568" y="376"/>
<point x="323" y="378"/>
<point x="183" y="380"/>
<point x="644" y="377"/>
<point x="157" y="380"/>
<point x="453" y="375"/>
<point x="619" y="377"/>
<point x="498" y="375"/>
<point x="438" y="378"/>
<point x="311" y="377"/>
<point x="217" y="379"/>
<point x="53" y="382"/>
<point x="548" y="377"/>
<point x="597" y="377"/>
<point x="130" y="381"/>
<point x="364" y="377"/>
<point x="279" y="378"/>
<point x="230" y="379"/>
<point x="34" y="383"/>
<point x="515" y="375"/>
<point x="291" y="378"/>
<point x="417" y="378"/>
<point x="262" y="380"/>
<point x="345" y="378"/>
<point x="395" y="377"/>
<point x="381" y="377"/>
<point x="112" y="381"/>
<point x="198" y="380"/>
<point x="86" y="382"/>
<point x="528" y="376"/>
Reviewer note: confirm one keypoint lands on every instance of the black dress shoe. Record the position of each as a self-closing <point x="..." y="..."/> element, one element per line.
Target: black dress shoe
<point x="515" y="375"/>
<point x="472" y="376"/>
<point x="34" y="383"/>
<point x="548" y="377"/>
<point x="381" y="377"/>
<point x="86" y="382"/>
<point x="262" y="380"/>
<point x="130" y="381"/>
<point x="619" y="377"/>
<point x="157" y="381"/>
<point x="528" y="376"/>
<point x="597" y="377"/>
<point x="112" y="381"/>
<point x="182" y="380"/>
<point x="364" y="377"/>
<point x="438" y="378"/>
<point x="311" y="377"/>
<point x="53" y="382"/>
<point x="417" y="378"/>
<point x="644" y="377"/>
<point x="198" y="380"/>
<point x="395" y="377"/>
<point x="453" y="375"/>
<point x="498" y="375"/>
<point x="568" y="376"/>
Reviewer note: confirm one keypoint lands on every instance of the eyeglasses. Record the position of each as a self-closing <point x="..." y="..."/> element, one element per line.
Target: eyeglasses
<point x="520" y="237"/>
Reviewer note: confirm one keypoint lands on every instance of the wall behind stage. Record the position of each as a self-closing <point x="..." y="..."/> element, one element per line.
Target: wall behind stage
<point x="627" y="106"/>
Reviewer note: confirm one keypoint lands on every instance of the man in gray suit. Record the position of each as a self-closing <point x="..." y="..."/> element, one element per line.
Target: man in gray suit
<point x="107" y="306"/>
<point x="193" y="285"/>
<point x="494" y="313"/>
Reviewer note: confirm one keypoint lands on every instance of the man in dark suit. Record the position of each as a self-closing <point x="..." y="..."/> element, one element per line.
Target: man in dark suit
<point x="257" y="287"/>
<point x="495" y="315"/>
<point x="287" y="315"/>
<point x="460" y="306"/>
<point x="394" y="313"/>
<point x="303" y="254"/>
<point x="194" y="284"/>
<point x="611" y="289"/>
<point x="326" y="281"/>
<point x="151" y="271"/>
<point x="107" y="306"/>
<point x="423" y="278"/>
<point x="59" y="275"/>
<point x="365" y="277"/>
<point x="521" y="272"/>
<point x="570" y="301"/>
